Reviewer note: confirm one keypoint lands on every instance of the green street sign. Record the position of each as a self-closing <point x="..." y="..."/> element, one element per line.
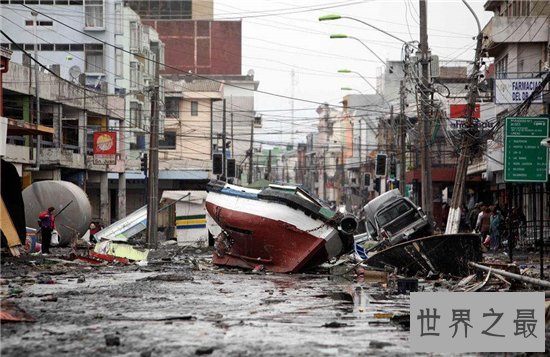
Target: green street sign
<point x="525" y="160"/>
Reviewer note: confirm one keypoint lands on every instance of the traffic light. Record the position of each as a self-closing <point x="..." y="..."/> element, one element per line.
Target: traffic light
<point x="231" y="168"/>
<point x="367" y="180"/>
<point x="217" y="163"/>
<point x="144" y="163"/>
<point x="377" y="184"/>
<point x="393" y="167"/>
<point x="381" y="165"/>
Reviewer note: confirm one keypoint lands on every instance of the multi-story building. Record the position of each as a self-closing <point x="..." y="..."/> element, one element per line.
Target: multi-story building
<point x="517" y="38"/>
<point x="66" y="153"/>
<point x="198" y="48"/>
<point x="194" y="41"/>
<point x="101" y="47"/>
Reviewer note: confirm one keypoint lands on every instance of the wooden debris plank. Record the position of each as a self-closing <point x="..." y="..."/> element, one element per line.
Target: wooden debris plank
<point x="8" y="228"/>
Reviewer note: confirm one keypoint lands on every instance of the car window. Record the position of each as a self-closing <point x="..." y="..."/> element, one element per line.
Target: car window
<point x="393" y="212"/>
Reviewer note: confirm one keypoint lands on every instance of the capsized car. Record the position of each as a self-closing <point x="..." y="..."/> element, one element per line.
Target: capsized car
<point x="391" y="219"/>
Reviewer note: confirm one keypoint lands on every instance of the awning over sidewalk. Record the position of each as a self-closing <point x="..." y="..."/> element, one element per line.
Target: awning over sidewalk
<point x="165" y="175"/>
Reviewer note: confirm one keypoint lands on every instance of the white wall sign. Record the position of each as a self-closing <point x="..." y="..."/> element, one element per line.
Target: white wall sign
<point x="515" y="91"/>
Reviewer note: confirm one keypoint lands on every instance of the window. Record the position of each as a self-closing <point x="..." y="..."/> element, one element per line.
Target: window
<point x="119" y="62"/>
<point x="62" y="47"/>
<point x="46" y="47"/>
<point x="169" y="141"/>
<point x="172" y="107"/>
<point x="162" y="9"/>
<point x="501" y="67"/>
<point x="94" y="57"/>
<point x="135" y="34"/>
<point x="194" y="108"/>
<point x="38" y="23"/>
<point x="135" y="115"/>
<point x="118" y="19"/>
<point x="135" y="76"/>
<point x="93" y="13"/>
<point x="77" y="47"/>
<point x="90" y="130"/>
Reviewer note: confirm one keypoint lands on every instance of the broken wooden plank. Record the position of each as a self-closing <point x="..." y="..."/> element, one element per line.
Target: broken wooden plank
<point x="8" y="228"/>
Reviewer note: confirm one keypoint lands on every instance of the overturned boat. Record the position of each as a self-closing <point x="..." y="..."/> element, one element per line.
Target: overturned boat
<point x="283" y="228"/>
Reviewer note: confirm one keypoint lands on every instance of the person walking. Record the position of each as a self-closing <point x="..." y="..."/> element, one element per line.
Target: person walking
<point x="495" y="230"/>
<point x="473" y="215"/>
<point x="47" y="225"/>
<point x="483" y="225"/>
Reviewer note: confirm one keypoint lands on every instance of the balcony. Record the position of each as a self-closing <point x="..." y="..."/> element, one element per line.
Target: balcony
<point x="516" y="29"/>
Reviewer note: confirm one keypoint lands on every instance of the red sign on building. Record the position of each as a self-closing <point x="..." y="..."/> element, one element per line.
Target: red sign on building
<point x="105" y="148"/>
<point x="460" y="110"/>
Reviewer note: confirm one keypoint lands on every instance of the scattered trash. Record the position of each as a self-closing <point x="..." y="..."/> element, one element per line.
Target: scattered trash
<point x="168" y="277"/>
<point x="383" y="315"/>
<point x="204" y="351"/>
<point x="403" y="321"/>
<point x="81" y="279"/>
<point x="10" y="312"/>
<point x="447" y="253"/>
<point x="258" y="268"/>
<point x="406" y="286"/>
<point x="108" y="258"/>
<point x="49" y="298"/>
<point x="120" y="250"/>
<point x="335" y="324"/>
<point x="46" y="280"/>
<point x="112" y="340"/>
<point x="379" y="344"/>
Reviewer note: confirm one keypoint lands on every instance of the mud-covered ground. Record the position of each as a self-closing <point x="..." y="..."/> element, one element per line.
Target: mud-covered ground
<point x="180" y="305"/>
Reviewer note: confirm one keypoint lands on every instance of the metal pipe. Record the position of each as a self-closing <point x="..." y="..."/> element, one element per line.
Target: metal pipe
<point x="525" y="279"/>
<point x="36" y="89"/>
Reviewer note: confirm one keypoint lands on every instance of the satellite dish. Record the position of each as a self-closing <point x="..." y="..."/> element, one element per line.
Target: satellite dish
<point x="74" y="72"/>
<point x="250" y="73"/>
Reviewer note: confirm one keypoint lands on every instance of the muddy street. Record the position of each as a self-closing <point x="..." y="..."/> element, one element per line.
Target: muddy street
<point x="188" y="307"/>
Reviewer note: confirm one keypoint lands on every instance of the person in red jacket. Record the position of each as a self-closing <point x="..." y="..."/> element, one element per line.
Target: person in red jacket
<point x="47" y="225"/>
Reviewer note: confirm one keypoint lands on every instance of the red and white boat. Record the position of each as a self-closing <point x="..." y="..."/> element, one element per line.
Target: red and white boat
<point x="283" y="228"/>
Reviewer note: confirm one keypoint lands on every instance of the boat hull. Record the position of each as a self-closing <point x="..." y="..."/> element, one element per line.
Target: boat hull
<point x="447" y="254"/>
<point x="258" y="232"/>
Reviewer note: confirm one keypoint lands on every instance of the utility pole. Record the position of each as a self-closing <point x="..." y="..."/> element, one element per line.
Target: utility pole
<point x="36" y="89"/>
<point x="224" y="139"/>
<point x="152" y="181"/>
<point x="425" y="153"/>
<point x="232" y="138"/>
<point x="251" y="153"/>
<point x="153" y="177"/>
<point x="402" y="137"/>
<point x="293" y="84"/>
<point x="361" y="178"/>
<point x="453" y="220"/>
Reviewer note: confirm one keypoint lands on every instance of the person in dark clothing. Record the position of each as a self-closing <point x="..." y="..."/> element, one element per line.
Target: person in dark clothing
<point x="473" y="215"/>
<point x="47" y="225"/>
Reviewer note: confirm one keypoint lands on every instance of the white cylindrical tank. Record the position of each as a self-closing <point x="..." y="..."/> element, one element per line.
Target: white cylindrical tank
<point x="73" y="221"/>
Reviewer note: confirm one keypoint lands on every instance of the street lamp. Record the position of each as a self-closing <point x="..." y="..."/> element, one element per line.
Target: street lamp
<point x="350" y="89"/>
<point x="331" y="17"/>
<point x="360" y="75"/>
<point x="341" y="35"/>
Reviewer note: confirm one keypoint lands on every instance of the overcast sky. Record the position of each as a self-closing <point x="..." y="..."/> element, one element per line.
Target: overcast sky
<point x="284" y="37"/>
